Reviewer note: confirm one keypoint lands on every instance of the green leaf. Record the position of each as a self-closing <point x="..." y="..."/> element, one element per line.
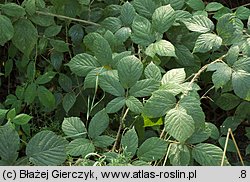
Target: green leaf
<point x="229" y="28"/>
<point x="9" y="144"/>
<point x="199" y="23"/>
<point x="21" y="119"/>
<point x="103" y="141"/>
<point x="129" y="70"/>
<point x="173" y="88"/>
<point x="177" y="75"/>
<point x="208" y="155"/>
<point x="144" y="88"/>
<point x="242" y="111"/>
<point x="26" y="32"/>
<point x="8" y="66"/>
<point x="92" y="78"/>
<point x="11" y="114"/>
<point x="179" y="155"/>
<point x="142" y="32"/>
<point x="179" y="124"/>
<point x="184" y="56"/>
<point x="129" y="142"/>
<point x="65" y="82"/>
<point x="52" y="30"/>
<point x="248" y="150"/>
<point x="19" y="92"/>
<point x="102" y="51"/>
<point x="232" y="54"/>
<point x="123" y="34"/>
<point x="176" y="4"/>
<point x="59" y="45"/>
<point x="127" y="14"/>
<point x="245" y="46"/>
<point x="192" y="106"/>
<point x="3" y="113"/>
<point x="163" y="18"/>
<point x="230" y="122"/>
<point x="200" y="135"/>
<point x="152" y="121"/>
<point x="213" y="6"/>
<point x="145" y="7"/>
<point x="42" y="20"/>
<point x="115" y="105"/>
<point x="222" y="74"/>
<point x="80" y="146"/>
<point x="98" y="124"/>
<point x="242" y="64"/>
<point x="68" y="101"/>
<point x="114" y="43"/>
<point x="228" y="101"/>
<point x="6" y="29"/>
<point x="242" y="13"/>
<point x="213" y="130"/>
<point x="112" y="23"/>
<point x="162" y="48"/>
<point x="89" y="39"/>
<point x="248" y="23"/>
<point x="56" y="59"/>
<point x="134" y="104"/>
<point x="222" y="12"/>
<point x="45" y="78"/>
<point x="152" y="149"/>
<point x="82" y="64"/>
<point x="13" y="9"/>
<point x="30" y="6"/>
<point x="207" y="42"/>
<point x="84" y="2"/>
<point x="46" y="97"/>
<point x="230" y="145"/>
<point x="196" y="4"/>
<point x="109" y="82"/>
<point x="181" y="14"/>
<point x="159" y="103"/>
<point x="241" y="86"/>
<point x="73" y="127"/>
<point x="152" y="72"/>
<point x="49" y="150"/>
<point x="76" y="33"/>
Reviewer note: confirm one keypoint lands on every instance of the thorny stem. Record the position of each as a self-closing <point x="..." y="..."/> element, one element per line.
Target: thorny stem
<point x="67" y="18"/>
<point x="120" y="129"/>
<point x="197" y="75"/>
<point x="204" y="95"/>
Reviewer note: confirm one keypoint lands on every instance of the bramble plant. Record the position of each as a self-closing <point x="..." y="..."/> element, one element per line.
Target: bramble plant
<point x="113" y="82"/>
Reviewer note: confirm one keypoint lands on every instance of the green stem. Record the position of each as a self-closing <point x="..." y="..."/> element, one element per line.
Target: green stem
<point x="67" y="18"/>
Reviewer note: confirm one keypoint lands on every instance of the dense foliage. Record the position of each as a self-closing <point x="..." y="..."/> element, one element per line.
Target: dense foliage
<point x="112" y="82"/>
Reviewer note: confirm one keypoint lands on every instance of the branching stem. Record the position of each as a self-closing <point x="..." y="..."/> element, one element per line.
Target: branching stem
<point x="197" y="75"/>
